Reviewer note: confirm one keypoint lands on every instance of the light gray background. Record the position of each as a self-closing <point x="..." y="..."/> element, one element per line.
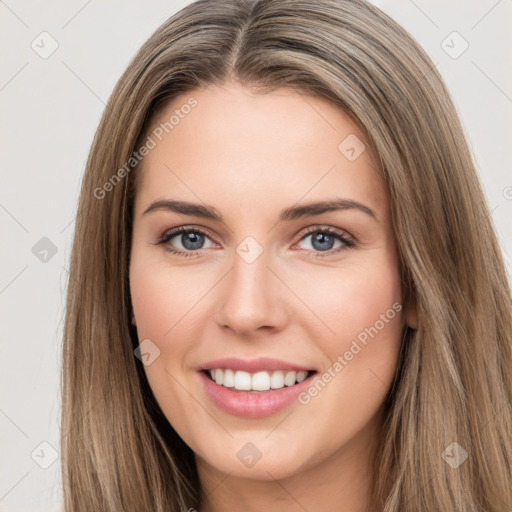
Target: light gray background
<point x="49" y="111"/>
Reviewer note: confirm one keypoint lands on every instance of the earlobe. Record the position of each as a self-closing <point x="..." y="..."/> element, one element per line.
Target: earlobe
<point x="133" y="320"/>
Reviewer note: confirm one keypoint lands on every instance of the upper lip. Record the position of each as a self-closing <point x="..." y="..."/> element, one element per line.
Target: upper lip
<point x="253" y="365"/>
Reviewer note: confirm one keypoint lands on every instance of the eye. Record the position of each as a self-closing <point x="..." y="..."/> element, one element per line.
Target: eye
<point x="191" y="240"/>
<point x="324" y="238"/>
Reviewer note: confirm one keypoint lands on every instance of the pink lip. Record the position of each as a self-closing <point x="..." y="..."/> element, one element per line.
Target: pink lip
<point x="253" y="365"/>
<point x="252" y="404"/>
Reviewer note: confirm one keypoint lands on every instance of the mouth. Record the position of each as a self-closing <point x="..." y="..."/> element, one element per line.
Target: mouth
<point x="256" y="393"/>
<point x="263" y="381"/>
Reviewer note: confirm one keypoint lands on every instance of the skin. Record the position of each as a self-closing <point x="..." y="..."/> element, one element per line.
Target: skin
<point x="250" y="156"/>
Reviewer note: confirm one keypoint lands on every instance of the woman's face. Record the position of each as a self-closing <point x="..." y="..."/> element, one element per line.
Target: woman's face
<point x="265" y="287"/>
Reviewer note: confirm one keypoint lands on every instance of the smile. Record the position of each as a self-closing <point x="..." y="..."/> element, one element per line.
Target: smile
<point x="254" y="388"/>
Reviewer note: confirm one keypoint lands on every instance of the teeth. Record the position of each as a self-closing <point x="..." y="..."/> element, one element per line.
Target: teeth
<point x="290" y="378"/>
<point x="229" y="379"/>
<point x="277" y="380"/>
<point x="301" y="376"/>
<point x="259" y="381"/>
<point x="242" y="380"/>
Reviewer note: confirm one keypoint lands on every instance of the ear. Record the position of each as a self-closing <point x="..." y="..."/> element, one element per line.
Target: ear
<point x="133" y="319"/>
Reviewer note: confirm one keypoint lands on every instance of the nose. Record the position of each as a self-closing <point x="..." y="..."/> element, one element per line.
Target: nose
<point x="252" y="299"/>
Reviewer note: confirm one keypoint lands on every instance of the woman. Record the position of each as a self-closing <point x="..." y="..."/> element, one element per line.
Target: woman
<point x="286" y="292"/>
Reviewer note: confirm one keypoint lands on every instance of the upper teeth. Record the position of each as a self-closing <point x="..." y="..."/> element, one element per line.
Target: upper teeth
<point x="259" y="381"/>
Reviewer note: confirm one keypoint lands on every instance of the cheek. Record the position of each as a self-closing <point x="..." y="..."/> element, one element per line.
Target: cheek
<point x="368" y="327"/>
<point x="163" y="304"/>
<point x="162" y="301"/>
<point x="362" y="308"/>
<point x="362" y="321"/>
<point x="351" y="300"/>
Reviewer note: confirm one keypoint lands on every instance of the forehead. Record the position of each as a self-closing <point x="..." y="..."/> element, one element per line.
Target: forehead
<point x="252" y="150"/>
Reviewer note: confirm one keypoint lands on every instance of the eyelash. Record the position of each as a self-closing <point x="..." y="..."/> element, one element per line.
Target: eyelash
<point x="345" y="239"/>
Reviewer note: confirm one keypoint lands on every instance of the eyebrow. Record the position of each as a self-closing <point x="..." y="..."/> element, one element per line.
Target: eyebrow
<point x="288" y="214"/>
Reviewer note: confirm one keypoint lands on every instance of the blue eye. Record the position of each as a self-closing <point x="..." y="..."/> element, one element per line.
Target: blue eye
<point x="192" y="240"/>
<point x="323" y="240"/>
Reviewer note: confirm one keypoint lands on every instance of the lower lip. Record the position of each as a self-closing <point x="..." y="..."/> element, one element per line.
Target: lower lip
<point x="255" y="404"/>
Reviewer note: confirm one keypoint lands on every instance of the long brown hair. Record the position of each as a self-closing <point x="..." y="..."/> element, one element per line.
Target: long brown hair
<point x="454" y="381"/>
